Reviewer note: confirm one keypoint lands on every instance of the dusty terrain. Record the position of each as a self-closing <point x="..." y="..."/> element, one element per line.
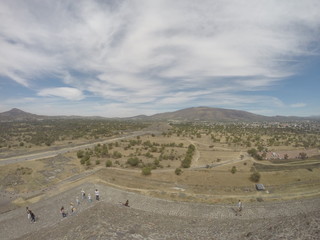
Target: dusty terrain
<point x="152" y="218"/>
<point x="198" y="204"/>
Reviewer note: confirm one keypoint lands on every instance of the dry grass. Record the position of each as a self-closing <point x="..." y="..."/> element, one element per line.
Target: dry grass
<point x="210" y="185"/>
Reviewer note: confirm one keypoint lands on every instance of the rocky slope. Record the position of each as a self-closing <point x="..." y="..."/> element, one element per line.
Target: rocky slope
<point x="150" y="218"/>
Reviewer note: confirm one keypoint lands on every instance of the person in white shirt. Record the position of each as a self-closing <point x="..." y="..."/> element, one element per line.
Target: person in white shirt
<point x="89" y="198"/>
<point x="96" y="192"/>
<point x="239" y="208"/>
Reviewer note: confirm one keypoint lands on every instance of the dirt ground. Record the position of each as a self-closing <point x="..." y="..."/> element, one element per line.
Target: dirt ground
<point x="209" y="179"/>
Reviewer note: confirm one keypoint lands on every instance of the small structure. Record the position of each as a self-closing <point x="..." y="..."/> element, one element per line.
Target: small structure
<point x="260" y="187"/>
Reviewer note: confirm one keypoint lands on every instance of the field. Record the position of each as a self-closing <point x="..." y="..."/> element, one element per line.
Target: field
<point x="210" y="163"/>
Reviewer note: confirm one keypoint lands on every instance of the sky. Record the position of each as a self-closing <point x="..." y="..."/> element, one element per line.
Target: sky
<point x="122" y="58"/>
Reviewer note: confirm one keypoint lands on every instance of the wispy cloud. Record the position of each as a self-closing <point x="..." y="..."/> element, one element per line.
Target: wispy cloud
<point x="63" y="92"/>
<point x="298" y="105"/>
<point x="156" y="52"/>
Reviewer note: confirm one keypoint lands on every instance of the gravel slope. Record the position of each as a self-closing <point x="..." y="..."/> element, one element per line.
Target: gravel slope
<point x="150" y="218"/>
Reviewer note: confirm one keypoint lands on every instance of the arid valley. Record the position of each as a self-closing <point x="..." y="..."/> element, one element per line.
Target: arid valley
<point x="162" y="164"/>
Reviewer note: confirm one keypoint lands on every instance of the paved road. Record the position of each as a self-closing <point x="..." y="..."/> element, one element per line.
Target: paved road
<point x="47" y="154"/>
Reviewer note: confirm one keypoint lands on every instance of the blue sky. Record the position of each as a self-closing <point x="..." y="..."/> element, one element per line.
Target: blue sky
<point x="125" y="58"/>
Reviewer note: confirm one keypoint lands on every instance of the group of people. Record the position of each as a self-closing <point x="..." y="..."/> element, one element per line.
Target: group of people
<point x="96" y="193"/>
<point x="84" y="197"/>
<point x="64" y="213"/>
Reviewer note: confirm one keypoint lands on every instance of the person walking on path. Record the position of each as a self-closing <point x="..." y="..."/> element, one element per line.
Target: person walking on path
<point x="72" y="208"/>
<point x="32" y="216"/>
<point x="96" y="192"/>
<point x="28" y="213"/>
<point x="89" y="198"/>
<point x="239" y="208"/>
<point x="83" y="194"/>
<point x="63" y="212"/>
<point x="126" y="203"/>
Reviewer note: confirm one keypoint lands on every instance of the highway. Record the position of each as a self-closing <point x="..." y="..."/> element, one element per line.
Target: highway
<point x="48" y="154"/>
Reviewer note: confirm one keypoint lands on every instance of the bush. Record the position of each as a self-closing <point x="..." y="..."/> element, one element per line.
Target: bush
<point x="133" y="162"/>
<point x="255" y="177"/>
<point x="146" y="171"/>
<point x="178" y="171"/>
<point x="97" y="162"/>
<point x="233" y="170"/>
<point x="108" y="163"/>
<point x="80" y="154"/>
<point x="156" y="163"/>
<point x="116" y="154"/>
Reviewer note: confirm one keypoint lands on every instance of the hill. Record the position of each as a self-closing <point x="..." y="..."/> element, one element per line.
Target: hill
<point x="16" y="114"/>
<point x="189" y="114"/>
<point x="210" y="114"/>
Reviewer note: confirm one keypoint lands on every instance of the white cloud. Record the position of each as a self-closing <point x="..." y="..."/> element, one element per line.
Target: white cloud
<point x="63" y="92"/>
<point x="298" y="105"/>
<point x="157" y="52"/>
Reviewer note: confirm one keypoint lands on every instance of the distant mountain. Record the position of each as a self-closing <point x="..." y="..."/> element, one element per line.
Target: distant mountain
<point x="16" y="114"/>
<point x="189" y="114"/>
<point x="209" y="114"/>
<point x="219" y="115"/>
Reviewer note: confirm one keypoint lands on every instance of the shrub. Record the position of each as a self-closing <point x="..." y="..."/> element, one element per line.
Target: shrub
<point x="133" y="162"/>
<point x="108" y="163"/>
<point x="97" y="162"/>
<point x="23" y="171"/>
<point x="80" y="154"/>
<point x="178" y="171"/>
<point x="146" y="171"/>
<point x="233" y="170"/>
<point x="255" y="177"/>
<point x="156" y="162"/>
<point x="116" y="154"/>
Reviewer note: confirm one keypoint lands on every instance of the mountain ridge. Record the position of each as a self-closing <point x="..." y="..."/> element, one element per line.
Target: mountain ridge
<point x="188" y="114"/>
